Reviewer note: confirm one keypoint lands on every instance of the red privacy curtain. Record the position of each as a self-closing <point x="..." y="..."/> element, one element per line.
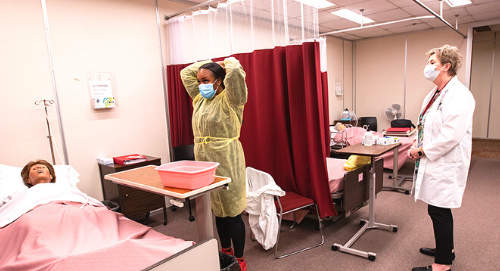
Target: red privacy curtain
<point x="285" y="128"/>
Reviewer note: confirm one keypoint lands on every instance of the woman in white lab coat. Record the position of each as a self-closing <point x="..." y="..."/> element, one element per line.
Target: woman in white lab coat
<point x="443" y="150"/>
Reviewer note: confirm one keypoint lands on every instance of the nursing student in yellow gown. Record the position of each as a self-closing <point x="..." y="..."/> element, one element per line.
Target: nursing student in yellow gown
<point x="219" y="94"/>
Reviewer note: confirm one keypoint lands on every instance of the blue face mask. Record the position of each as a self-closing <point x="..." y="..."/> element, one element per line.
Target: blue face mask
<point x="207" y="90"/>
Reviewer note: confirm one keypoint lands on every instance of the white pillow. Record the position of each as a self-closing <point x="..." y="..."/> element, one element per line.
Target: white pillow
<point x="12" y="183"/>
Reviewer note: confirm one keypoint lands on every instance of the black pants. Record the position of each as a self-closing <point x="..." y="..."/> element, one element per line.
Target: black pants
<point x="231" y="229"/>
<point x="442" y="220"/>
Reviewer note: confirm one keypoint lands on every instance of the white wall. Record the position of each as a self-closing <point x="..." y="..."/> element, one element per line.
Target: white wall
<point x="119" y="36"/>
<point x="339" y="70"/>
<point x="485" y="85"/>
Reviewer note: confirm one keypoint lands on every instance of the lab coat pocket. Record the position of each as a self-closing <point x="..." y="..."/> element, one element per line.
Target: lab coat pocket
<point x="449" y="173"/>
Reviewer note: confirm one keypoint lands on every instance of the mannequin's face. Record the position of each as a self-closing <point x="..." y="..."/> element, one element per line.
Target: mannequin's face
<point x="39" y="174"/>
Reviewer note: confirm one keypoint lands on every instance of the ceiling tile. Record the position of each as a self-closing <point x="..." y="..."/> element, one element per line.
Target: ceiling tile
<point x="410" y="28"/>
<point x="483" y="8"/>
<point x="417" y="10"/>
<point x="347" y="36"/>
<point x="323" y="29"/>
<point x="452" y="12"/>
<point x="346" y="2"/>
<point x="483" y="1"/>
<point x="371" y="7"/>
<point x="341" y="24"/>
<point x="371" y="32"/>
<point x="487" y="16"/>
<point x="324" y="17"/>
<point x="390" y="15"/>
<point x="402" y="3"/>
<point x="402" y="24"/>
<point x="436" y="23"/>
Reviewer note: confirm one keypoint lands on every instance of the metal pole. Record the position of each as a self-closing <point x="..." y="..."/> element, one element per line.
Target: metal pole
<point x="361" y="17"/>
<point x="440" y="18"/>
<point x="49" y="136"/>
<point x="165" y="94"/>
<point x="406" y="71"/>
<point x="56" y="98"/>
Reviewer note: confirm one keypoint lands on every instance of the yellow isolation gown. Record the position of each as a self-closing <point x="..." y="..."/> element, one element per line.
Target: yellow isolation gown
<point x="216" y="126"/>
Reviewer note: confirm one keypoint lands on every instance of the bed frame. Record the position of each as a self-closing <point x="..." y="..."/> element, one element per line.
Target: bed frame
<point x="202" y="256"/>
<point x="355" y="193"/>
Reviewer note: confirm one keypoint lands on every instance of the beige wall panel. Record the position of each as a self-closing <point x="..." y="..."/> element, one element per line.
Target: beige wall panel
<point x="339" y="55"/>
<point x="108" y="36"/>
<point x="24" y="78"/>
<point x="494" y="132"/>
<point x="380" y="67"/>
<point x="417" y="86"/>
<point x="482" y="55"/>
<point x="348" y="76"/>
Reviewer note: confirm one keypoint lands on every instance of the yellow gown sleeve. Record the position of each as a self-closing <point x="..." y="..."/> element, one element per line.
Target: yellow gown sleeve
<point x="236" y="88"/>
<point x="189" y="78"/>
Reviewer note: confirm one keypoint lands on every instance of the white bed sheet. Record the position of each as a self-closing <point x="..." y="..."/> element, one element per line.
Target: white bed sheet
<point x="41" y="194"/>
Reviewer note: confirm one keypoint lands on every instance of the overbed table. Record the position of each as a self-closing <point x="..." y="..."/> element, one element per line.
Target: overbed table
<point x="373" y="152"/>
<point x="147" y="179"/>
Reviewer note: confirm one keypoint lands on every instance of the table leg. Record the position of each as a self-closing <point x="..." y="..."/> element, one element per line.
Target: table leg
<point x="367" y="224"/>
<point x="204" y="217"/>
<point x="397" y="181"/>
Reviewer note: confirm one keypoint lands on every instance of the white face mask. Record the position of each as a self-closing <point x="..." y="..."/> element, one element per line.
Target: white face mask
<point x="430" y="72"/>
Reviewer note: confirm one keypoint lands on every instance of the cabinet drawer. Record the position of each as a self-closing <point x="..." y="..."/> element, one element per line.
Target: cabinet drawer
<point x="137" y="203"/>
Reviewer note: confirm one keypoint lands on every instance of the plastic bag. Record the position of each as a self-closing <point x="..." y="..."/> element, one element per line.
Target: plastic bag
<point x="356" y="161"/>
<point x="228" y="262"/>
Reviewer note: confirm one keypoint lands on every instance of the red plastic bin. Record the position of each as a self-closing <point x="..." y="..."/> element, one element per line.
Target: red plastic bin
<point x="187" y="174"/>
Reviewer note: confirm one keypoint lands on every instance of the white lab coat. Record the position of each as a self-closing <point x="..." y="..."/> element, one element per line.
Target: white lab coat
<point x="447" y="145"/>
<point x="261" y="210"/>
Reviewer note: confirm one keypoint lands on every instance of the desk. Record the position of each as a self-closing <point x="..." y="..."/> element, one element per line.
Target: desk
<point x="147" y="179"/>
<point x="373" y="152"/>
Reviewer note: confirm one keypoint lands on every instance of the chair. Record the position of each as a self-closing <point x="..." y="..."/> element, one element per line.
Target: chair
<point x="185" y="152"/>
<point x="371" y="122"/>
<point x="288" y="203"/>
<point x="292" y="202"/>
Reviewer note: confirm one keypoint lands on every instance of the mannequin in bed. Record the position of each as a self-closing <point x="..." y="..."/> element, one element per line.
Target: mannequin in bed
<point x="39" y="171"/>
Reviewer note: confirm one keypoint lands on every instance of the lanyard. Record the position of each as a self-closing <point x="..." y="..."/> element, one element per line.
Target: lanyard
<point x="436" y="94"/>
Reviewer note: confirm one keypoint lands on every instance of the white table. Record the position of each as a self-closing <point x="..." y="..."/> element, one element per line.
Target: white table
<point x="147" y="179"/>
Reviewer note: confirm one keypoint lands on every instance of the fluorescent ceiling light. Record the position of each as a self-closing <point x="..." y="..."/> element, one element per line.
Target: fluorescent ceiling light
<point x="352" y="16"/>
<point x="319" y="4"/>
<point x="456" y="3"/>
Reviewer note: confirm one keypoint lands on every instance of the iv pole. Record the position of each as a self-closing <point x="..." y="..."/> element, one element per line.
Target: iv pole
<point x="45" y="104"/>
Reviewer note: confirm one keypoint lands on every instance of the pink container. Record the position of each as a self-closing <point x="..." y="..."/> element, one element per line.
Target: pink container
<point x="187" y="174"/>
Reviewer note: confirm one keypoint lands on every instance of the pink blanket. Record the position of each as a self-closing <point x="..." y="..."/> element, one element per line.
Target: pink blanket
<point x="76" y="236"/>
<point x="336" y="173"/>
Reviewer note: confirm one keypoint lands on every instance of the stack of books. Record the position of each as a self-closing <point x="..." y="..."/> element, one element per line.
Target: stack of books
<point x="399" y="131"/>
<point x="129" y="159"/>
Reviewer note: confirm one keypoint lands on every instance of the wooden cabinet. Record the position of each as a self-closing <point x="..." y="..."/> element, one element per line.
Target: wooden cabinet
<point x="134" y="204"/>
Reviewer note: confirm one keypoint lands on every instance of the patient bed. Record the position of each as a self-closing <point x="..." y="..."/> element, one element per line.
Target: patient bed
<point x="55" y="226"/>
<point x="350" y="189"/>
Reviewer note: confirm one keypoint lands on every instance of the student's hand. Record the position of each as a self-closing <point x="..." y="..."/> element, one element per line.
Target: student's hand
<point x="221" y="63"/>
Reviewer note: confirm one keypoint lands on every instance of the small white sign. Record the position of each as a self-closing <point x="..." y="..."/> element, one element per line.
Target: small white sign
<point x="102" y="94"/>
